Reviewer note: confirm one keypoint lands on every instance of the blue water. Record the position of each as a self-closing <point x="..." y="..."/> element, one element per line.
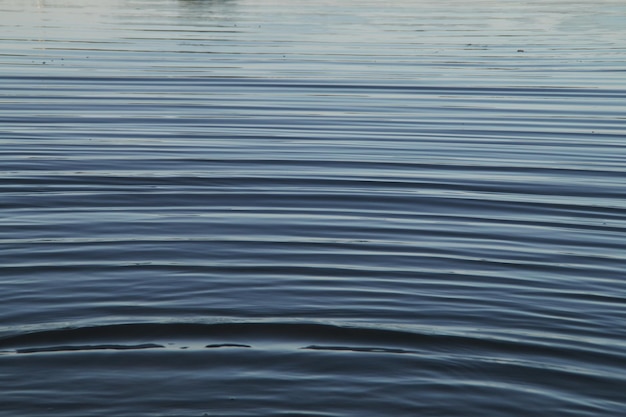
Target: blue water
<point x="244" y="208"/>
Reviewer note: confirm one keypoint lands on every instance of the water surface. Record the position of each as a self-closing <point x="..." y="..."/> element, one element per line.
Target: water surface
<point x="313" y="208"/>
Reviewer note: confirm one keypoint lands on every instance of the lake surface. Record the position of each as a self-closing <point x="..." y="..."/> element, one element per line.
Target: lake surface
<point x="313" y="208"/>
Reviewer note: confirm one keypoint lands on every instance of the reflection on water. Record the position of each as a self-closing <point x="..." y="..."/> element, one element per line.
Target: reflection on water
<point x="207" y="4"/>
<point x="196" y="12"/>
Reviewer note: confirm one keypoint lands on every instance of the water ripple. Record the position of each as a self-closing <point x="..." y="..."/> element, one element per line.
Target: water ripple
<point x="240" y="208"/>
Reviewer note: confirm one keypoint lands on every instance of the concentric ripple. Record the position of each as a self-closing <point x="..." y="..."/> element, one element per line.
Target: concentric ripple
<point x="187" y="366"/>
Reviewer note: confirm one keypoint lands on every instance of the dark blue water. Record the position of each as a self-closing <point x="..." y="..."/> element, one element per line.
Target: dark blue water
<point x="244" y="208"/>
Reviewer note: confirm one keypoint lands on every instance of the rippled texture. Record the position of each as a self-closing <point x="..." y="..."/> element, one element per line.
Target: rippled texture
<point x="237" y="207"/>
